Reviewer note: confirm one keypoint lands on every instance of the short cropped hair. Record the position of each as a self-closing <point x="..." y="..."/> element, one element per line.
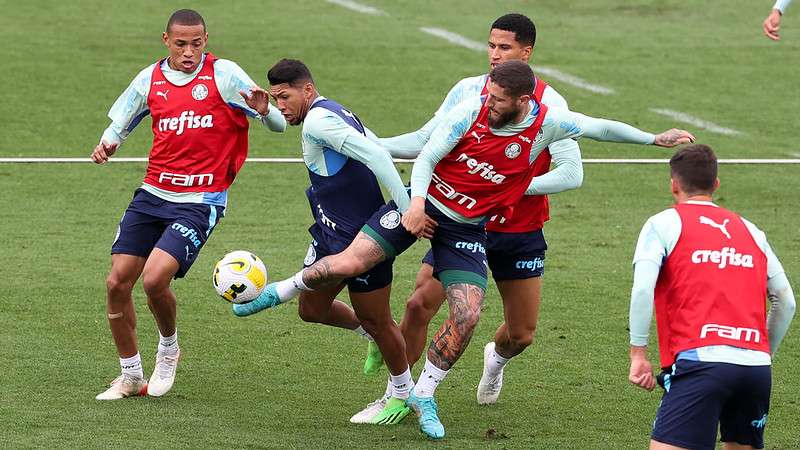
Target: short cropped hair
<point x="523" y="28"/>
<point x="694" y="167"/>
<point x="185" y="17"/>
<point x="290" y="71"/>
<point x="515" y="77"/>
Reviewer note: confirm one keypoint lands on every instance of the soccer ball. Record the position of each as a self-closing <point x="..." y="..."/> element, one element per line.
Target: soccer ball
<point x="239" y="277"/>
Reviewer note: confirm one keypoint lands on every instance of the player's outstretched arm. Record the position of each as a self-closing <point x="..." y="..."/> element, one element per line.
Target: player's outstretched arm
<point x="574" y="125"/>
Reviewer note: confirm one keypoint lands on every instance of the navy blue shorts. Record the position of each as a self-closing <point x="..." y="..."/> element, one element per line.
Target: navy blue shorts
<point x="325" y="242"/>
<point x="516" y="256"/>
<point x="180" y="229"/>
<point x="511" y="256"/>
<point x="700" y="395"/>
<point x="458" y="249"/>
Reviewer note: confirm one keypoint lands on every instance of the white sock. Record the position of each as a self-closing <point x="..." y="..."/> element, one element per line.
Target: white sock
<point x="363" y="333"/>
<point x="168" y="344"/>
<point x="389" y="388"/>
<point x="132" y="365"/>
<point x="291" y="287"/>
<point x="496" y="363"/>
<point x="402" y="384"/>
<point x="429" y="379"/>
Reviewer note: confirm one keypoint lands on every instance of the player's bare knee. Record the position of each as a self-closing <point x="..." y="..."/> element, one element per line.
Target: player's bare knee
<point x="309" y="313"/>
<point x="118" y="287"/>
<point x="154" y="285"/>
<point x="416" y="310"/>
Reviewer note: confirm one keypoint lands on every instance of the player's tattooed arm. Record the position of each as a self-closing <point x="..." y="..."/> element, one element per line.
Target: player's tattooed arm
<point x="363" y="254"/>
<point x="451" y="340"/>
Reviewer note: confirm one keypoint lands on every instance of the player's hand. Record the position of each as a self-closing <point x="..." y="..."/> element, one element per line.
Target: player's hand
<point x="257" y="98"/>
<point x="103" y="151"/>
<point x="416" y="222"/>
<point x="772" y="24"/>
<point x="673" y="137"/>
<point x="641" y="371"/>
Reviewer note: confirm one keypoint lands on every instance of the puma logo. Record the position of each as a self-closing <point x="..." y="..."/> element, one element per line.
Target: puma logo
<point x="163" y="94"/>
<point x="477" y="136"/>
<point x="363" y="280"/>
<point x="721" y="227"/>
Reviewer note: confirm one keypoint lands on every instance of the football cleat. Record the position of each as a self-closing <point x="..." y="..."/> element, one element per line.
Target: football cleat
<point x="367" y="414"/>
<point x="163" y="374"/>
<point x="394" y="411"/>
<point x="125" y="385"/>
<point x="428" y="415"/>
<point x="374" y="361"/>
<point x="267" y="299"/>
<point x="488" y="387"/>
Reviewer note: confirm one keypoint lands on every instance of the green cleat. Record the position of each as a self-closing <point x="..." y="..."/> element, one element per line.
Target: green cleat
<point x="393" y="413"/>
<point x="374" y="361"/>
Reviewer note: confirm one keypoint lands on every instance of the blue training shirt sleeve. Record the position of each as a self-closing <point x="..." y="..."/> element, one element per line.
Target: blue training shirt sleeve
<point x="129" y="109"/>
<point x="231" y="80"/>
<point x="445" y="137"/>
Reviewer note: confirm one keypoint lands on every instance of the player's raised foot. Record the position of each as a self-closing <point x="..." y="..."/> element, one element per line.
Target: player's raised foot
<point x="374" y="361"/>
<point x="125" y="385"/>
<point x="267" y="299"/>
<point x="367" y="414"/>
<point x="164" y="374"/>
<point x="428" y="415"/>
<point x="489" y="387"/>
<point x="394" y="411"/>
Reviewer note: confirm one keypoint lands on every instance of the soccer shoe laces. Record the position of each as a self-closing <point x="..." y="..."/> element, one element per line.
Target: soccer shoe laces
<point x="166" y="364"/>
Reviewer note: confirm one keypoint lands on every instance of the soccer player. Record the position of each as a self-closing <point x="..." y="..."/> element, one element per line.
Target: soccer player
<point x="477" y="162"/>
<point x="345" y="164"/>
<point x="772" y="23"/>
<point x="516" y="245"/>
<point x="709" y="273"/>
<point x="200" y="106"/>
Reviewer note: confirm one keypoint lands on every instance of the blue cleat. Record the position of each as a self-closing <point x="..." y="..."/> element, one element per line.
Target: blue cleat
<point x="267" y="299"/>
<point x="427" y="412"/>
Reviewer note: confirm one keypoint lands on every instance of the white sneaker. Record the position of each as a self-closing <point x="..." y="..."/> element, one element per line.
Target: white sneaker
<point x="367" y="414"/>
<point x="489" y="388"/>
<point x="164" y="374"/>
<point x="125" y="385"/>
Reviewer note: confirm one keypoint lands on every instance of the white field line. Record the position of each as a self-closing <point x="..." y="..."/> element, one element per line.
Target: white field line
<point x="358" y="7"/>
<point x="300" y="160"/>
<point x="696" y="121"/>
<point x="550" y="72"/>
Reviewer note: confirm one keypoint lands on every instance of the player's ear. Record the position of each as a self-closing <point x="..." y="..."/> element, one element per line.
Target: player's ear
<point x="716" y="185"/>
<point x="527" y="51"/>
<point x="165" y="38"/>
<point x="674" y="187"/>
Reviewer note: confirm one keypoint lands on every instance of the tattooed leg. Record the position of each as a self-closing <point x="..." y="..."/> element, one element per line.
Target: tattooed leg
<point x="360" y="256"/>
<point x="451" y="340"/>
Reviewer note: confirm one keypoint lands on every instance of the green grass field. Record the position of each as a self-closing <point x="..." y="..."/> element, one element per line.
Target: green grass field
<point x="272" y="381"/>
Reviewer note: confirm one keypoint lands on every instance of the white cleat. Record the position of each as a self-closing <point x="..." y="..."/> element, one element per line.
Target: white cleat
<point x="489" y="388"/>
<point x="367" y="414"/>
<point x="164" y="374"/>
<point x="125" y="385"/>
